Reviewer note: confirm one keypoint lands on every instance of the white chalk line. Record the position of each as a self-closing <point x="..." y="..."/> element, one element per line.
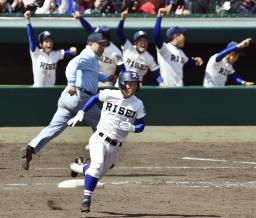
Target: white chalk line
<point x="218" y="160"/>
<point x="150" y="182"/>
<point x="159" y="167"/>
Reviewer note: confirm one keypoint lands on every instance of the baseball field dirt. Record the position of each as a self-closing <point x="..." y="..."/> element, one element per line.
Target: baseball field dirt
<point x="175" y="172"/>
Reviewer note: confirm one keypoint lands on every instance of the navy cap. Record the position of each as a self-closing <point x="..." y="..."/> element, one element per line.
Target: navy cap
<point x="139" y="34"/>
<point x="237" y="50"/>
<point x="96" y="37"/>
<point x="172" y="30"/>
<point x="104" y="30"/>
<point x="44" y="35"/>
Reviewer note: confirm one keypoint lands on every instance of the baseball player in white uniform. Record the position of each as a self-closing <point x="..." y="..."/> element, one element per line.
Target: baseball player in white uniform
<point x="112" y="56"/>
<point x="136" y="58"/>
<point x="121" y="113"/>
<point x="170" y="55"/>
<point x="220" y="66"/>
<point x="44" y="58"/>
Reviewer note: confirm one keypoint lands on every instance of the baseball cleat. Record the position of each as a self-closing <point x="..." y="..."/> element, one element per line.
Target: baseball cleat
<point x="26" y="157"/>
<point x="76" y="167"/>
<point x="85" y="206"/>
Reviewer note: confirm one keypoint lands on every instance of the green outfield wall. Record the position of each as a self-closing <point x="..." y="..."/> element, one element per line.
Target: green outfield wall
<point x="28" y="106"/>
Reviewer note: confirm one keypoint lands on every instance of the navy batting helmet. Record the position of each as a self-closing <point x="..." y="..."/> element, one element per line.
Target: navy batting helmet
<point x="104" y="30"/>
<point x="139" y="34"/>
<point x="44" y="35"/>
<point x="128" y="76"/>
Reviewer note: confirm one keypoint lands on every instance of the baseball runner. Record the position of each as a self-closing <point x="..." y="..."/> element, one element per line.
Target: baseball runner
<point x="136" y="58"/>
<point x="83" y="76"/>
<point x="112" y="56"/>
<point x="44" y="58"/>
<point x="220" y="66"/>
<point x="121" y="113"/>
<point x="170" y="55"/>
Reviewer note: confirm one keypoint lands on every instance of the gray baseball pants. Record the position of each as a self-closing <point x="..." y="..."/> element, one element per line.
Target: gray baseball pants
<point x="68" y="106"/>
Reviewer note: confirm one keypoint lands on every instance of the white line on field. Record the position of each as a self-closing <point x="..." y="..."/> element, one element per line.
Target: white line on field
<point x="74" y="183"/>
<point x="160" y="167"/>
<point x="216" y="160"/>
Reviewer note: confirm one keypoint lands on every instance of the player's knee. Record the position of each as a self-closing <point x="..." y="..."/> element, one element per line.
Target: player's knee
<point x="96" y="169"/>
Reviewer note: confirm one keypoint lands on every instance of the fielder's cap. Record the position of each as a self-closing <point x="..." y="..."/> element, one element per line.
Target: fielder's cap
<point x="139" y="34"/>
<point x="96" y="37"/>
<point x="173" y="30"/>
<point x="237" y="50"/>
<point x="44" y="35"/>
<point x="102" y="29"/>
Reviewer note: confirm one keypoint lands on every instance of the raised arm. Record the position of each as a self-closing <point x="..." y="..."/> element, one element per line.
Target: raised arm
<point x="120" y="27"/>
<point x="157" y="29"/>
<point x="86" y="25"/>
<point x="30" y="32"/>
<point x="234" y="47"/>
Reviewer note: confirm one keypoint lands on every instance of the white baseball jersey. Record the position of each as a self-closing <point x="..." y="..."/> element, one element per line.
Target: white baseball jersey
<point x="138" y="62"/>
<point x="171" y="61"/>
<point x="112" y="56"/>
<point x="44" y="66"/>
<point x="117" y="109"/>
<point x="216" y="73"/>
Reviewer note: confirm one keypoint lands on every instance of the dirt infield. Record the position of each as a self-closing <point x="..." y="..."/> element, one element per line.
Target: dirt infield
<point x="164" y="172"/>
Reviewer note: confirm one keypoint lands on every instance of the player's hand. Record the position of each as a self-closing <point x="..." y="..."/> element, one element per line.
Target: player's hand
<point x="198" y="61"/>
<point x="73" y="50"/>
<point x="76" y="15"/>
<point x="124" y="15"/>
<point x="162" y="12"/>
<point x="245" y="83"/>
<point x="79" y="117"/>
<point x="179" y="10"/>
<point x="112" y="78"/>
<point x="168" y="8"/>
<point x="126" y="126"/>
<point x="244" y="43"/>
<point x="27" y="15"/>
<point x="72" y="90"/>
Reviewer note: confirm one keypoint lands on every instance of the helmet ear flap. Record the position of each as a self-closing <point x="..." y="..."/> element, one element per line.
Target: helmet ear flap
<point x="123" y="85"/>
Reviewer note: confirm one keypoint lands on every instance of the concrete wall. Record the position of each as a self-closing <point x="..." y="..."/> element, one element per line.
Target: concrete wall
<point x="26" y="106"/>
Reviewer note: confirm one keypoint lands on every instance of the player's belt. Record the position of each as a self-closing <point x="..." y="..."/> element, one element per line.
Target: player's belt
<point x="85" y="91"/>
<point x="109" y="140"/>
